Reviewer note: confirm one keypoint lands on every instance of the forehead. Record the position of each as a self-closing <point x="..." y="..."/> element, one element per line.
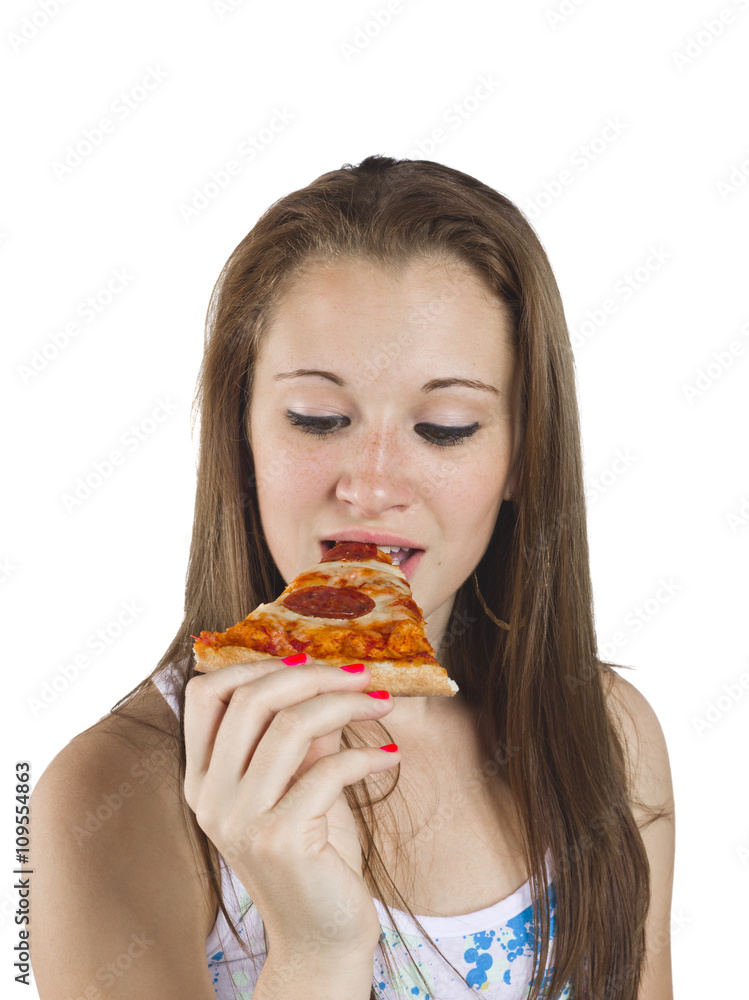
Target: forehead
<point x="424" y="316"/>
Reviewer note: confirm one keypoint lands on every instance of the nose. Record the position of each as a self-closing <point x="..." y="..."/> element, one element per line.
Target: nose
<point x="375" y="476"/>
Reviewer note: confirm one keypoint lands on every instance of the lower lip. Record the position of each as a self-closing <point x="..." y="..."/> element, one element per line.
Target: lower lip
<point x="408" y="568"/>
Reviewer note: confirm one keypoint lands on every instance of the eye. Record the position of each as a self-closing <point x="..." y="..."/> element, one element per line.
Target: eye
<point x="435" y="434"/>
<point x="444" y="437"/>
<point x="314" y="425"/>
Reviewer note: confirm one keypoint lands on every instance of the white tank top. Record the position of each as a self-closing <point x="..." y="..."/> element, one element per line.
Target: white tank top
<point x="492" y="948"/>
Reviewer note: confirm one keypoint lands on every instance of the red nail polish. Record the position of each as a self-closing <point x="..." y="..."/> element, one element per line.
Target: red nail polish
<point x="354" y="668"/>
<point x="390" y="747"/>
<point x="295" y="658"/>
<point x="378" y="694"/>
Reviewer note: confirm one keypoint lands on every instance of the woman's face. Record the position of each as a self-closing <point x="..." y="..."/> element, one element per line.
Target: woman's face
<point x="353" y="393"/>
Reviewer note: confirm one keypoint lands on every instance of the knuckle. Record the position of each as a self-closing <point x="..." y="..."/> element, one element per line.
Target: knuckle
<point x="320" y="773"/>
<point x="195" y="688"/>
<point x="288" y="719"/>
<point x="204" y="815"/>
<point x="329" y="763"/>
<point x="316" y="674"/>
<point x="244" y="694"/>
<point x="334" y="767"/>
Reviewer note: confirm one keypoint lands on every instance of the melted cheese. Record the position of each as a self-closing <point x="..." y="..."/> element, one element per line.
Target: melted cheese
<point x="391" y="630"/>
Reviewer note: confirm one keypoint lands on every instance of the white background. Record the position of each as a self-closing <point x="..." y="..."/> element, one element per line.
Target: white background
<point x="671" y="512"/>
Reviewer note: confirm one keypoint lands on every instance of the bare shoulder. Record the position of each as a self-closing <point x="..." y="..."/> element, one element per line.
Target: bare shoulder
<point x="651" y="792"/>
<point x="118" y="760"/>
<point x="644" y="741"/>
<point x="118" y="869"/>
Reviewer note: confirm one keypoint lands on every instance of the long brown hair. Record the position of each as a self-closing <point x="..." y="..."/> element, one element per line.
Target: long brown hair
<point x="539" y="688"/>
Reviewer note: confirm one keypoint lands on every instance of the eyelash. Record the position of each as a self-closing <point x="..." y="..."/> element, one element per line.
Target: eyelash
<point x="311" y="425"/>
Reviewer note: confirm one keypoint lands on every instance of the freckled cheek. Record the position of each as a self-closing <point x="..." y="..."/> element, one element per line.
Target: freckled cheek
<point x="473" y="485"/>
<point x="288" y="477"/>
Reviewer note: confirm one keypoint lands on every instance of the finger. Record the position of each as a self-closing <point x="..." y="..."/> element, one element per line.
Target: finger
<point x="207" y="698"/>
<point x="254" y="706"/>
<point x="281" y="751"/>
<point x="316" y="792"/>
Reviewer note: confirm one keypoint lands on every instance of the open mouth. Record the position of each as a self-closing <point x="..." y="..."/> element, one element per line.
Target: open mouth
<point x="399" y="556"/>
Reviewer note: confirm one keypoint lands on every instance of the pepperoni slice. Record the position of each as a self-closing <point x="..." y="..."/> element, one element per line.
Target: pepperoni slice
<point x="353" y="551"/>
<point x="329" y="602"/>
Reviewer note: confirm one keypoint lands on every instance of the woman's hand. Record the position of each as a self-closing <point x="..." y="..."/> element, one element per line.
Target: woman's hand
<point x="265" y="777"/>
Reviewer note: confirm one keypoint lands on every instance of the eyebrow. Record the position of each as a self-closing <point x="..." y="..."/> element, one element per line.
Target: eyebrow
<point x="430" y="386"/>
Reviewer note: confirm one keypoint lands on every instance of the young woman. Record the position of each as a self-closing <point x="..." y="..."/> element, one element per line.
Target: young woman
<point x="387" y="360"/>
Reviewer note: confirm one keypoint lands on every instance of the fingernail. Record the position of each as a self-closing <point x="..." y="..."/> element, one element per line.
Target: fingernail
<point x="378" y="694"/>
<point x="390" y="747"/>
<point x="354" y="668"/>
<point x="295" y="658"/>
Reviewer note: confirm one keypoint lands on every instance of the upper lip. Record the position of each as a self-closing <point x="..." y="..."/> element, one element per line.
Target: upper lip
<point x="378" y="538"/>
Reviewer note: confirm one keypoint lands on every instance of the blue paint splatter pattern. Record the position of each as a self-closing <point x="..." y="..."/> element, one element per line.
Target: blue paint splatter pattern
<point x="495" y="961"/>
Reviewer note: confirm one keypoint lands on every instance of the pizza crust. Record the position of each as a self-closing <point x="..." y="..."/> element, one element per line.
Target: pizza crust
<point x="398" y="678"/>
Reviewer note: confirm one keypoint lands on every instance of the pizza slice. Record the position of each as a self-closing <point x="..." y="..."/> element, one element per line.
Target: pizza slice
<point x="355" y="605"/>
